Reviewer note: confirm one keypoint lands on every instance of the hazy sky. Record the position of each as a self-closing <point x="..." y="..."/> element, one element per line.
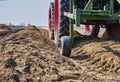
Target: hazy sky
<point x="28" y="11"/>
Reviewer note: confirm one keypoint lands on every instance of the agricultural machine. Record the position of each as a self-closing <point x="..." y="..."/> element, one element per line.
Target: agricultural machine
<point x="64" y="15"/>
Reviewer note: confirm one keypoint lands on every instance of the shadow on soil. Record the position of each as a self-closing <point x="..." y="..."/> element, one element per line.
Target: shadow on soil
<point x="86" y="40"/>
<point x="117" y="53"/>
<point x="78" y="57"/>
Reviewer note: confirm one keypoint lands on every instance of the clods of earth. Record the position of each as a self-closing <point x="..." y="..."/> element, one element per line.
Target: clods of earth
<point x="28" y="55"/>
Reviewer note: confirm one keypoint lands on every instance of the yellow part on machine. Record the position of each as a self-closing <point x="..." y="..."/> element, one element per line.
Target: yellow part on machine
<point x="118" y="1"/>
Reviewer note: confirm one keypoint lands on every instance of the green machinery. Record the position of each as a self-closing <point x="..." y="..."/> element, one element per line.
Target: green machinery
<point x="77" y="12"/>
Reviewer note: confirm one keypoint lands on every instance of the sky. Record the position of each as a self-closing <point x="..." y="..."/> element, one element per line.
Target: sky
<point x="33" y="12"/>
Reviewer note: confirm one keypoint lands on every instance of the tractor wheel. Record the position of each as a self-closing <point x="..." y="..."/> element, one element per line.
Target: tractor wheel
<point x="113" y="31"/>
<point x="92" y="30"/>
<point x="51" y="21"/>
<point x="95" y="31"/>
<point x="80" y="3"/>
<point x="65" y="48"/>
<point x="61" y="22"/>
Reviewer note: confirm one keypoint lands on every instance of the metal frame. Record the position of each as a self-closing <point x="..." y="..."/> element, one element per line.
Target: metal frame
<point x="87" y="13"/>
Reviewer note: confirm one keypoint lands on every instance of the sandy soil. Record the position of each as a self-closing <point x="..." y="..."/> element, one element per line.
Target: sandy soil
<point x="29" y="56"/>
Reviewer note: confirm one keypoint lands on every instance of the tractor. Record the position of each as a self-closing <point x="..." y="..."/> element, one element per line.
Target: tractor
<point x="64" y="15"/>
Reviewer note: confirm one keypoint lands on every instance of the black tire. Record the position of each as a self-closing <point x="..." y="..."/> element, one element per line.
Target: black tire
<point x="63" y="20"/>
<point x="66" y="46"/>
<point x="113" y="31"/>
<point x="80" y="3"/>
<point x="51" y="33"/>
<point x="95" y="31"/>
